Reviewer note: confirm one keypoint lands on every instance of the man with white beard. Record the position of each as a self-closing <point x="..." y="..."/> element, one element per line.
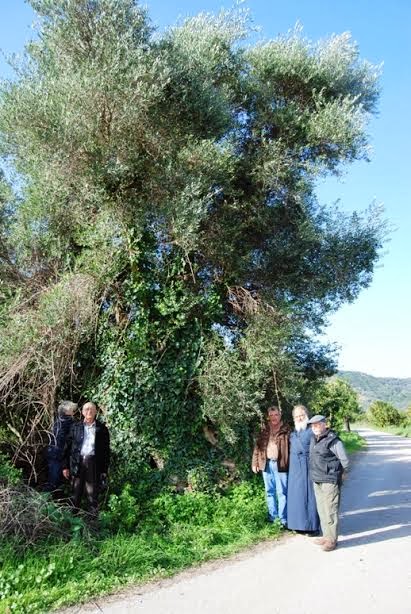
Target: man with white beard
<point x="302" y="508"/>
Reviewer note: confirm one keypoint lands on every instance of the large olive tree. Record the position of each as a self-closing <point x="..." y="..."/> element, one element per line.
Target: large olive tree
<point x="164" y="250"/>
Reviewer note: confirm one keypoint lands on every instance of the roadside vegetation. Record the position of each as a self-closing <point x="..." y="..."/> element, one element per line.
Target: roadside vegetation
<point x="352" y="441"/>
<point x="384" y="417"/>
<point x="132" y="544"/>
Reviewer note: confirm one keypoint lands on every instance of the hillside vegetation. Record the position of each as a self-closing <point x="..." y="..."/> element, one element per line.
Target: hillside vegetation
<point x="394" y="390"/>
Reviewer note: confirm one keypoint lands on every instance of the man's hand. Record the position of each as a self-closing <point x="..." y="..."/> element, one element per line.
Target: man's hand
<point x="66" y="473"/>
<point x="254" y="468"/>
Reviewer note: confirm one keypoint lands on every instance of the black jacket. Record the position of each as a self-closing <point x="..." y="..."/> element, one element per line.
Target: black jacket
<point x="61" y="429"/>
<point x="324" y="465"/>
<point x="73" y="448"/>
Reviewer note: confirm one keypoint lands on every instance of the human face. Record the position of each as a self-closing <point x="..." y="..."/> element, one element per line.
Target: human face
<point x="300" y="419"/>
<point x="274" y="417"/>
<point x="89" y="413"/>
<point x="318" y="428"/>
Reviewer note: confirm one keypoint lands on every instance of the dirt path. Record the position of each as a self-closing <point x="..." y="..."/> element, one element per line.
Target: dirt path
<point x="370" y="572"/>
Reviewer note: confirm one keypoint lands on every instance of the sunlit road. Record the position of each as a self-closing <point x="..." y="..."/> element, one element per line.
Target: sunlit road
<point x="370" y="572"/>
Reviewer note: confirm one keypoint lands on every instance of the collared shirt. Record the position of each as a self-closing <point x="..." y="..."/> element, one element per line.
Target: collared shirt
<point x="88" y="447"/>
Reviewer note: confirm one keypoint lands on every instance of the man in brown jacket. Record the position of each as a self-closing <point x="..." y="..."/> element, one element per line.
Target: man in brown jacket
<point x="271" y="455"/>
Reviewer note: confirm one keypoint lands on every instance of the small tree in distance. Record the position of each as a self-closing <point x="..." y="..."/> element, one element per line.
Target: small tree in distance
<point x="338" y="401"/>
<point x="383" y="414"/>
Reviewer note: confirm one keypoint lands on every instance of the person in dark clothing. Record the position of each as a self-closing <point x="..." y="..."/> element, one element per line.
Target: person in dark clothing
<point x="301" y="505"/>
<point x="328" y="461"/>
<point x="58" y="437"/>
<point x="270" y="456"/>
<point x="87" y="457"/>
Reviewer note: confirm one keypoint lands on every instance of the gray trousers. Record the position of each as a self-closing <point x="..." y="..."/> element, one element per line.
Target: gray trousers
<point x="327" y="497"/>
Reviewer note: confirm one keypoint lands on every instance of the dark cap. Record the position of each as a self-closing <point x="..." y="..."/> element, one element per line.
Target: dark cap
<point x="316" y="419"/>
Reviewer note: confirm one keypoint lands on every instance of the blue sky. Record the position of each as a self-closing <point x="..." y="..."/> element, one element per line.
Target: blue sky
<point x="373" y="333"/>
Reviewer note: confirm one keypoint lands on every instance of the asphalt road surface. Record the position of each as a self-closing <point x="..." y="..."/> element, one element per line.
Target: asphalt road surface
<point x="369" y="572"/>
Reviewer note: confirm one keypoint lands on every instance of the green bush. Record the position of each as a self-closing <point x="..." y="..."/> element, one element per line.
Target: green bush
<point x="122" y="513"/>
<point x="192" y="508"/>
<point x="383" y="414"/>
<point x="9" y="474"/>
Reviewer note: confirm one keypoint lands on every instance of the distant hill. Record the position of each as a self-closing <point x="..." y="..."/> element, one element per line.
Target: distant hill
<point x="393" y="390"/>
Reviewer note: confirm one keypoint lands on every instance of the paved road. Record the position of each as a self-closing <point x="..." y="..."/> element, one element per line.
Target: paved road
<point x="369" y="573"/>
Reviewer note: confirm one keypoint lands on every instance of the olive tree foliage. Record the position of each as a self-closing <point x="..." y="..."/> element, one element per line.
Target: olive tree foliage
<point x="165" y="250"/>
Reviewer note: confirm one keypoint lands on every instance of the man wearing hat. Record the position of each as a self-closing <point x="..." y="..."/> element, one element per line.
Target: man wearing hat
<point x="328" y="461"/>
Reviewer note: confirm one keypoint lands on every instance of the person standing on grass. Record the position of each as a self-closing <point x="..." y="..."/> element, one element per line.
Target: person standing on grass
<point x="271" y="456"/>
<point x="87" y="457"/>
<point x="58" y="437"/>
<point x="328" y="462"/>
<point x="301" y="505"/>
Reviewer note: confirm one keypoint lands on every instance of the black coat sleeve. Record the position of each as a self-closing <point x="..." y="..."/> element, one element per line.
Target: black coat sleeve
<point x="67" y="448"/>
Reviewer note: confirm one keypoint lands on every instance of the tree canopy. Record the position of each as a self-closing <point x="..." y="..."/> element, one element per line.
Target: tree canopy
<point x="338" y="401"/>
<point x="163" y="247"/>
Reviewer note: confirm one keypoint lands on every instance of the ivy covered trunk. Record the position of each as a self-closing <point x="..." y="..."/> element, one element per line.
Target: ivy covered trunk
<point x="163" y="251"/>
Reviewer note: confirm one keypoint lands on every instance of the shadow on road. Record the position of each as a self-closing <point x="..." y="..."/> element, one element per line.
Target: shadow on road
<point x="376" y="499"/>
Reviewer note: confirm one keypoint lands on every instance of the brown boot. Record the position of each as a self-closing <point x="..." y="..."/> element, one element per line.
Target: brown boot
<point x="320" y="541"/>
<point x="329" y="545"/>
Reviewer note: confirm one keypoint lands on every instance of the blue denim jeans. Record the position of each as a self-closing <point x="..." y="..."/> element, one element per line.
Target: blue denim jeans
<point x="275" y="483"/>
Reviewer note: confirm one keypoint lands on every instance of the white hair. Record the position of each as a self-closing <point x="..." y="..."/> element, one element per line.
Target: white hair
<point x="66" y="407"/>
<point x="301" y="408"/>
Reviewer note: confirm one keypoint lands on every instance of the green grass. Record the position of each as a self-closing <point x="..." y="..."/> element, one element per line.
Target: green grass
<point x="210" y="526"/>
<point x="352" y="441"/>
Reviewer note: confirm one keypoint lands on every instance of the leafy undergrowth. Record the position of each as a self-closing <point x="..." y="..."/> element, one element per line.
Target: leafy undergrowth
<point x="352" y="441"/>
<point x="134" y="544"/>
<point x="180" y="531"/>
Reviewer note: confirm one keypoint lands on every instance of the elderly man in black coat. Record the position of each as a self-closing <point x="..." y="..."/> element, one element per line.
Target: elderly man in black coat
<point x="87" y="457"/>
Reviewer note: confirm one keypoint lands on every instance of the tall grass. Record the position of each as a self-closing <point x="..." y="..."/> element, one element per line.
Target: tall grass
<point x="352" y="441"/>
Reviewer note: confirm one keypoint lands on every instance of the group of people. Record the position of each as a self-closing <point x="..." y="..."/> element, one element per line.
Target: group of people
<point x="302" y="468"/>
<point x="80" y="452"/>
<point x="302" y="471"/>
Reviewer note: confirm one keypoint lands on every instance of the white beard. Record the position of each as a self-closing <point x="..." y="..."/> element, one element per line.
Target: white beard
<point x="301" y="426"/>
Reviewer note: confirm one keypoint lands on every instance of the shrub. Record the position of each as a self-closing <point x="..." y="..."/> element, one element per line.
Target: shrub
<point x="123" y="511"/>
<point x="192" y="508"/>
<point x="383" y="414"/>
<point x="9" y="474"/>
<point x="29" y="516"/>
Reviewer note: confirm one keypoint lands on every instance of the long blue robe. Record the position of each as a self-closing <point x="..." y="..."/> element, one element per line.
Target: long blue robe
<point x="302" y="510"/>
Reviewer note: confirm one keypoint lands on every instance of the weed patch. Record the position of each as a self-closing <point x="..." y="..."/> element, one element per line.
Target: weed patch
<point x="179" y="531"/>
